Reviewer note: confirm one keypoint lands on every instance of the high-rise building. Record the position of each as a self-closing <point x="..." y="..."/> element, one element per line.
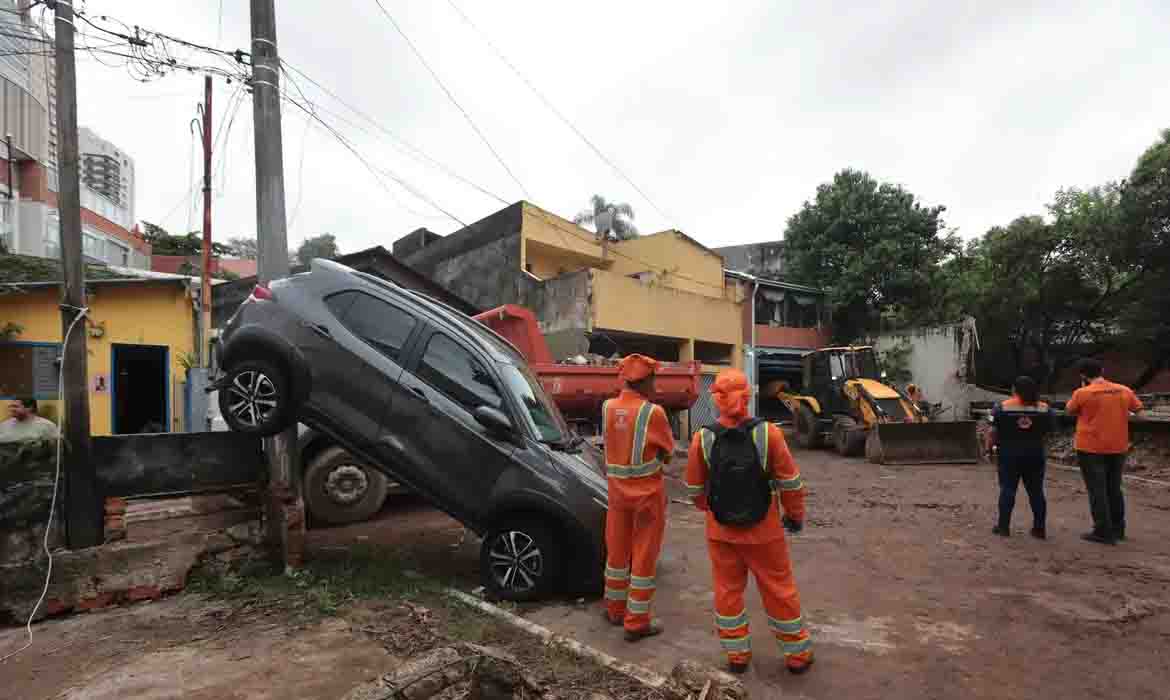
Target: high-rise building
<point x="29" y="221"/>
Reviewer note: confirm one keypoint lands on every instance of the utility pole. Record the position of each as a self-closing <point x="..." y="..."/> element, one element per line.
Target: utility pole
<point x="205" y="288"/>
<point x="83" y="503"/>
<point x="286" y="508"/>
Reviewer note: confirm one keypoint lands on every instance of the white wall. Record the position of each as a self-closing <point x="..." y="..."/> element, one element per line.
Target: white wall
<point x="940" y="362"/>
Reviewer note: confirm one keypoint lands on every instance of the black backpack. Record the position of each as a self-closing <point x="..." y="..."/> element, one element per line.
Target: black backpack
<point x="739" y="490"/>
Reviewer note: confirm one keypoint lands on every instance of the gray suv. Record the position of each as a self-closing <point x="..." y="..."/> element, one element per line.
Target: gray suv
<point x="433" y="399"/>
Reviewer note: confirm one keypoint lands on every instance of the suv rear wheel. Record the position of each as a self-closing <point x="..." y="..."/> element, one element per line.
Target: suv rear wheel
<point x="521" y="560"/>
<point x="339" y="489"/>
<point x="255" y="398"/>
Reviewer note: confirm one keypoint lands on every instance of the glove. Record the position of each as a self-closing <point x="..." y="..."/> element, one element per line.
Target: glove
<point x="792" y="526"/>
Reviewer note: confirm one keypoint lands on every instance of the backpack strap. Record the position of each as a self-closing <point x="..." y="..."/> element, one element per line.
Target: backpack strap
<point x="637" y="468"/>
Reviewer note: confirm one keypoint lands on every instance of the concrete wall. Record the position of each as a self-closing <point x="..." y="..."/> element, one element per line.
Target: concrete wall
<point x="147" y="313"/>
<point x="679" y="262"/>
<point x="760" y="259"/>
<point x="939" y="361"/>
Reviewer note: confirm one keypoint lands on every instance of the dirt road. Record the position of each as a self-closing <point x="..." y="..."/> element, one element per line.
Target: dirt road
<point x="910" y="596"/>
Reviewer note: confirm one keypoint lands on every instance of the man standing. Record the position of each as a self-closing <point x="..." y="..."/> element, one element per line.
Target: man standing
<point x="735" y="467"/>
<point x="1102" y="409"/>
<point x="638" y="441"/>
<point x="24" y="425"/>
<point x="1019" y="430"/>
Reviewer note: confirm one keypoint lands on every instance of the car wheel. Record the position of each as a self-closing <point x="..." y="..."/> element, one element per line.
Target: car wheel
<point x="255" y="398"/>
<point x="808" y="432"/>
<point x="340" y="490"/>
<point x="520" y="560"/>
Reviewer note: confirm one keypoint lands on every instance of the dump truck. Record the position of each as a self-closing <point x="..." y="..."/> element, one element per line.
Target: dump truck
<point x="846" y="402"/>
<point x="579" y="389"/>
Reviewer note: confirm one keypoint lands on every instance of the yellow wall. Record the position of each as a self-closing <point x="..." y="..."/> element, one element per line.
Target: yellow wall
<point x="622" y="303"/>
<point x="679" y="262"/>
<point x="139" y="313"/>
<point x="550" y="243"/>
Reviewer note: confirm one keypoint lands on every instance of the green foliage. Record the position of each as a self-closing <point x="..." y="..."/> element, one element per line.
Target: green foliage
<point x="895" y="362"/>
<point x="322" y="246"/>
<point x="243" y="247"/>
<point x="621" y="225"/>
<point x="875" y="248"/>
<point x="163" y="243"/>
<point x="10" y="331"/>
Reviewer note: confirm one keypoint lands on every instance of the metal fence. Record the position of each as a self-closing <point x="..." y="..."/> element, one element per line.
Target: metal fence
<point x="704" y="411"/>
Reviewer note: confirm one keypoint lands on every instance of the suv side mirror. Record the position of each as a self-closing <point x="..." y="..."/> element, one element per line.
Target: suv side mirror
<point x="493" y="419"/>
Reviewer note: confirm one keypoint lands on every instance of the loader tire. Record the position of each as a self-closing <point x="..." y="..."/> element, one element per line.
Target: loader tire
<point x="808" y="433"/>
<point x="848" y="439"/>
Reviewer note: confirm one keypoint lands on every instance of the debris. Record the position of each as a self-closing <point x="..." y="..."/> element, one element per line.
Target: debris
<point x="706" y="682"/>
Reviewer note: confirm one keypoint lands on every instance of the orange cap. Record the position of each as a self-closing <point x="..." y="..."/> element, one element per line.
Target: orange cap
<point x="731" y="392"/>
<point x="636" y="367"/>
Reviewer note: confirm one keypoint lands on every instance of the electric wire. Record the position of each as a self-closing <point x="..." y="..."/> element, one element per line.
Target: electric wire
<point x="451" y="97"/>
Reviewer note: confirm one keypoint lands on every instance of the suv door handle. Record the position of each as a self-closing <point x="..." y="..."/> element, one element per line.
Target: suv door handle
<point x="318" y="328"/>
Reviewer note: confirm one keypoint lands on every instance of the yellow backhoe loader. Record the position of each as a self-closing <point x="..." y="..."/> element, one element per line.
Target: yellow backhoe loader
<point x="847" y="400"/>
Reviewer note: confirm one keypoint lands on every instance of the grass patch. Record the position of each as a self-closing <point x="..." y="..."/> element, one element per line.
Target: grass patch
<point x="325" y="584"/>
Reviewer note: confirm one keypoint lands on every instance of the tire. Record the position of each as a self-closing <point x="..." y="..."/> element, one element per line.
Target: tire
<point x="872" y="452"/>
<point x="848" y="439"/>
<point x="808" y="433"/>
<point x="256" y="398"/>
<point x="340" y="490"/>
<point x="540" y="551"/>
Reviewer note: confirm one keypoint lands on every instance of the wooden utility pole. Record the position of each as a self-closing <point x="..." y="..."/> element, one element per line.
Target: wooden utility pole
<point x="205" y="288"/>
<point x="286" y="508"/>
<point x="83" y="502"/>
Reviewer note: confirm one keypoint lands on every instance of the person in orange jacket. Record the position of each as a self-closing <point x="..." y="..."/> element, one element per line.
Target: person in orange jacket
<point x="638" y="441"/>
<point x="759" y="547"/>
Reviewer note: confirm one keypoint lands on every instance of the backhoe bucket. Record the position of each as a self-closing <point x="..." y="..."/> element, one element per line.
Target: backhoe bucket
<point x="953" y="442"/>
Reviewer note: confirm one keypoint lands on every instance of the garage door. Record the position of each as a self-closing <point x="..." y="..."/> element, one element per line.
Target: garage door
<point x="704" y="411"/>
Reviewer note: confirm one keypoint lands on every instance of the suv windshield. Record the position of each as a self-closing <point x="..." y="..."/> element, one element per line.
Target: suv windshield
<point x="549" y="423"/>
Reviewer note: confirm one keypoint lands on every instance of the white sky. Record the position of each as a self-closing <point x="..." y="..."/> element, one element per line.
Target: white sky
<point x="727" y="114"/>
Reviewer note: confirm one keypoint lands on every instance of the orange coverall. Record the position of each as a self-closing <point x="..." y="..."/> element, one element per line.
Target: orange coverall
<point x="638" y="441"/>
<point x="760" y="548"/>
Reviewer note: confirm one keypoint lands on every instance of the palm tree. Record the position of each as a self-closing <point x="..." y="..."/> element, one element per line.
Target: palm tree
<point x="619" y="217"/>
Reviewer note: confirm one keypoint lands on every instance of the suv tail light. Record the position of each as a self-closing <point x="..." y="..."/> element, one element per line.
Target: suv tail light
<point x="261" y="292"/>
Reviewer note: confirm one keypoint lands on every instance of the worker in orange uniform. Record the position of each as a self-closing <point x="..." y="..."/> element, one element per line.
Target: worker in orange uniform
<point x="638" y="441"/>
<point x="734" y="471"/>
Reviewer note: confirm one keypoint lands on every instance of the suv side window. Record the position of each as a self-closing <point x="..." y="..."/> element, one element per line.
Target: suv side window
<point x="451" y="369"/>
<point x="385" y="327"/>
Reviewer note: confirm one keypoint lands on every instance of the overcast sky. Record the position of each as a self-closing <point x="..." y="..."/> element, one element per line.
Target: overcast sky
<point x="728" y="115"/>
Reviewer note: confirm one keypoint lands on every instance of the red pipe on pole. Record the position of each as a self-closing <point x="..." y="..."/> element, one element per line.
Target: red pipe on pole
<point x="205" y="290"/>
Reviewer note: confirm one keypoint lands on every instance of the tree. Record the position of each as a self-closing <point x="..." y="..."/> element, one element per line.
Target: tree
<point x="163" y="243"/>
<point x="875" y="248"/>
<point x="244" y="247"/>
<point x="621" y="222"/>
<point x="322" y="246"/>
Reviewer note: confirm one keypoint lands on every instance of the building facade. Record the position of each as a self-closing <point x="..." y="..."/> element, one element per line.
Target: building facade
<point x="29" y="220"/>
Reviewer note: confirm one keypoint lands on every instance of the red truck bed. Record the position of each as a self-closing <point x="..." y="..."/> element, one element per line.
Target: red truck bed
<point x="578" y="390"/>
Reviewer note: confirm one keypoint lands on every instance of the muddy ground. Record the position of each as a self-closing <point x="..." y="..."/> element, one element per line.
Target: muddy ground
<point x="907" y="592"/>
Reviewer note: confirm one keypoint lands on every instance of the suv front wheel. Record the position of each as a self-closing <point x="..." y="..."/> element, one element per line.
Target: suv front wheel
<point x="254" y="398"/>
<point x="520" y="560"/>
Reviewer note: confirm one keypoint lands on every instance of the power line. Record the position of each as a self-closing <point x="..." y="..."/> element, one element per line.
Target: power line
<point x="560" y="115"/>
<point x="450" y="96"/>
<point x="415" y="150"/>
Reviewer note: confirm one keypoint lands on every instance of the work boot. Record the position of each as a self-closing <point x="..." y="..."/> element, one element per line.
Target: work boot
<point x="1119" y="535"/>
<point x="738" y="668"/>
<point x="1098" y="538"/>
<point x="616" y="622"/>
<point x="1001" y="531"/>
<point x="1039" y="533"/>
<point x="651" y="630"/>
<point x="798" y="666"/>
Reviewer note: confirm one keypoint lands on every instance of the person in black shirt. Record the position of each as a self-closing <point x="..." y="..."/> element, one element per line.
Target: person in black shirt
<point x="1020" y="426"/>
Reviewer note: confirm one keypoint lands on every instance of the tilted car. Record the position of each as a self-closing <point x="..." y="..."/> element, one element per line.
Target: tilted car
<point x="434" y="400"/>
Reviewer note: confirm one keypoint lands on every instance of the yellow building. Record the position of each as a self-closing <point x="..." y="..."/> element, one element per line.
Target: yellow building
<point x="661" y="294"/>
<point x="140" y="337"/>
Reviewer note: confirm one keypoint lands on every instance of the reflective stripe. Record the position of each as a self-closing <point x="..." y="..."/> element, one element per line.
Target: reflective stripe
<point x="736" y="643"/>
<point x="760" y="437"/>
<point x="786" y="626"/>
<point x="642" y="583"/>
<point x="616" y="593"/>
<point x="791" y="648"/>
<point x="706" y="440"/>
<point x="638" y="469"/>
<point x="695" y="489"/>
<point x="794" y="484"/>
<point x="638" y="607"/>
<point x="730" y="623"/>
<point x="621" y="574"/>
